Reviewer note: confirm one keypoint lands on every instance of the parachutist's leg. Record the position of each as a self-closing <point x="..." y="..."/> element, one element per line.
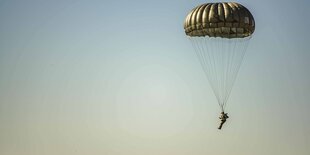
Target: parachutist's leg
<point x="220" y="127"/>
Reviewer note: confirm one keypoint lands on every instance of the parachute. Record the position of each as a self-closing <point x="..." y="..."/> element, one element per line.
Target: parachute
<point x="220" y="33"/>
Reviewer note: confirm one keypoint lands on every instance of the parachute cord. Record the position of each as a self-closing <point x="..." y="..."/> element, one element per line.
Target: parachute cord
<point x="220" y="44"/>
<point x="213" y="72"/>
<point x="208" y="42"/>
<point x="228" y="46"/>
<point x="220" y="60"/>
<point x="222" y="108"/>
<point x="225" y="60"/>
<point x="230" y="69"/>
<point x="234" y="61"/>
<point x="212" y="69"/>
<point x="216" y="65"/>
<point x="215" y="58"/>
<point x="203" y="61"/>
<point x="236" y="67"/>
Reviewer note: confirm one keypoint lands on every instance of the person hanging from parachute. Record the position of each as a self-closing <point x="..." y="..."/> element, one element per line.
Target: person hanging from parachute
<point x="220" y="33"/>
<point x="223" y="118"/>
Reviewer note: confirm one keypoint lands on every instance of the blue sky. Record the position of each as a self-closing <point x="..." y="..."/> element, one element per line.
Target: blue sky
<point x="120" y="77"/>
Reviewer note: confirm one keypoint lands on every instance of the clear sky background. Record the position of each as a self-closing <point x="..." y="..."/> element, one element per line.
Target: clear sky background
<point x="119" y="77"/>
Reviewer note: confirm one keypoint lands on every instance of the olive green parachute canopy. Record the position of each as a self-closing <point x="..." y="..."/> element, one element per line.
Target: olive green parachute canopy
<point x="225" y="20"/>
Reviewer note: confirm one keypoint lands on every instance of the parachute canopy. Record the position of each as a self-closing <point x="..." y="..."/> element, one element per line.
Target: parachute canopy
<point x="220" y="33"/>
<point x="225" y="20"/>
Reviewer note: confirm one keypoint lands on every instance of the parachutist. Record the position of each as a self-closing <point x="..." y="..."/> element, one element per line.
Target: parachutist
<point x="213" y="28"/>
<point x="223" y="118"/>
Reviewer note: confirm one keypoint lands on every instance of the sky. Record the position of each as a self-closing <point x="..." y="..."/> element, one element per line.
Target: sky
<point x="121" y="78"/>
